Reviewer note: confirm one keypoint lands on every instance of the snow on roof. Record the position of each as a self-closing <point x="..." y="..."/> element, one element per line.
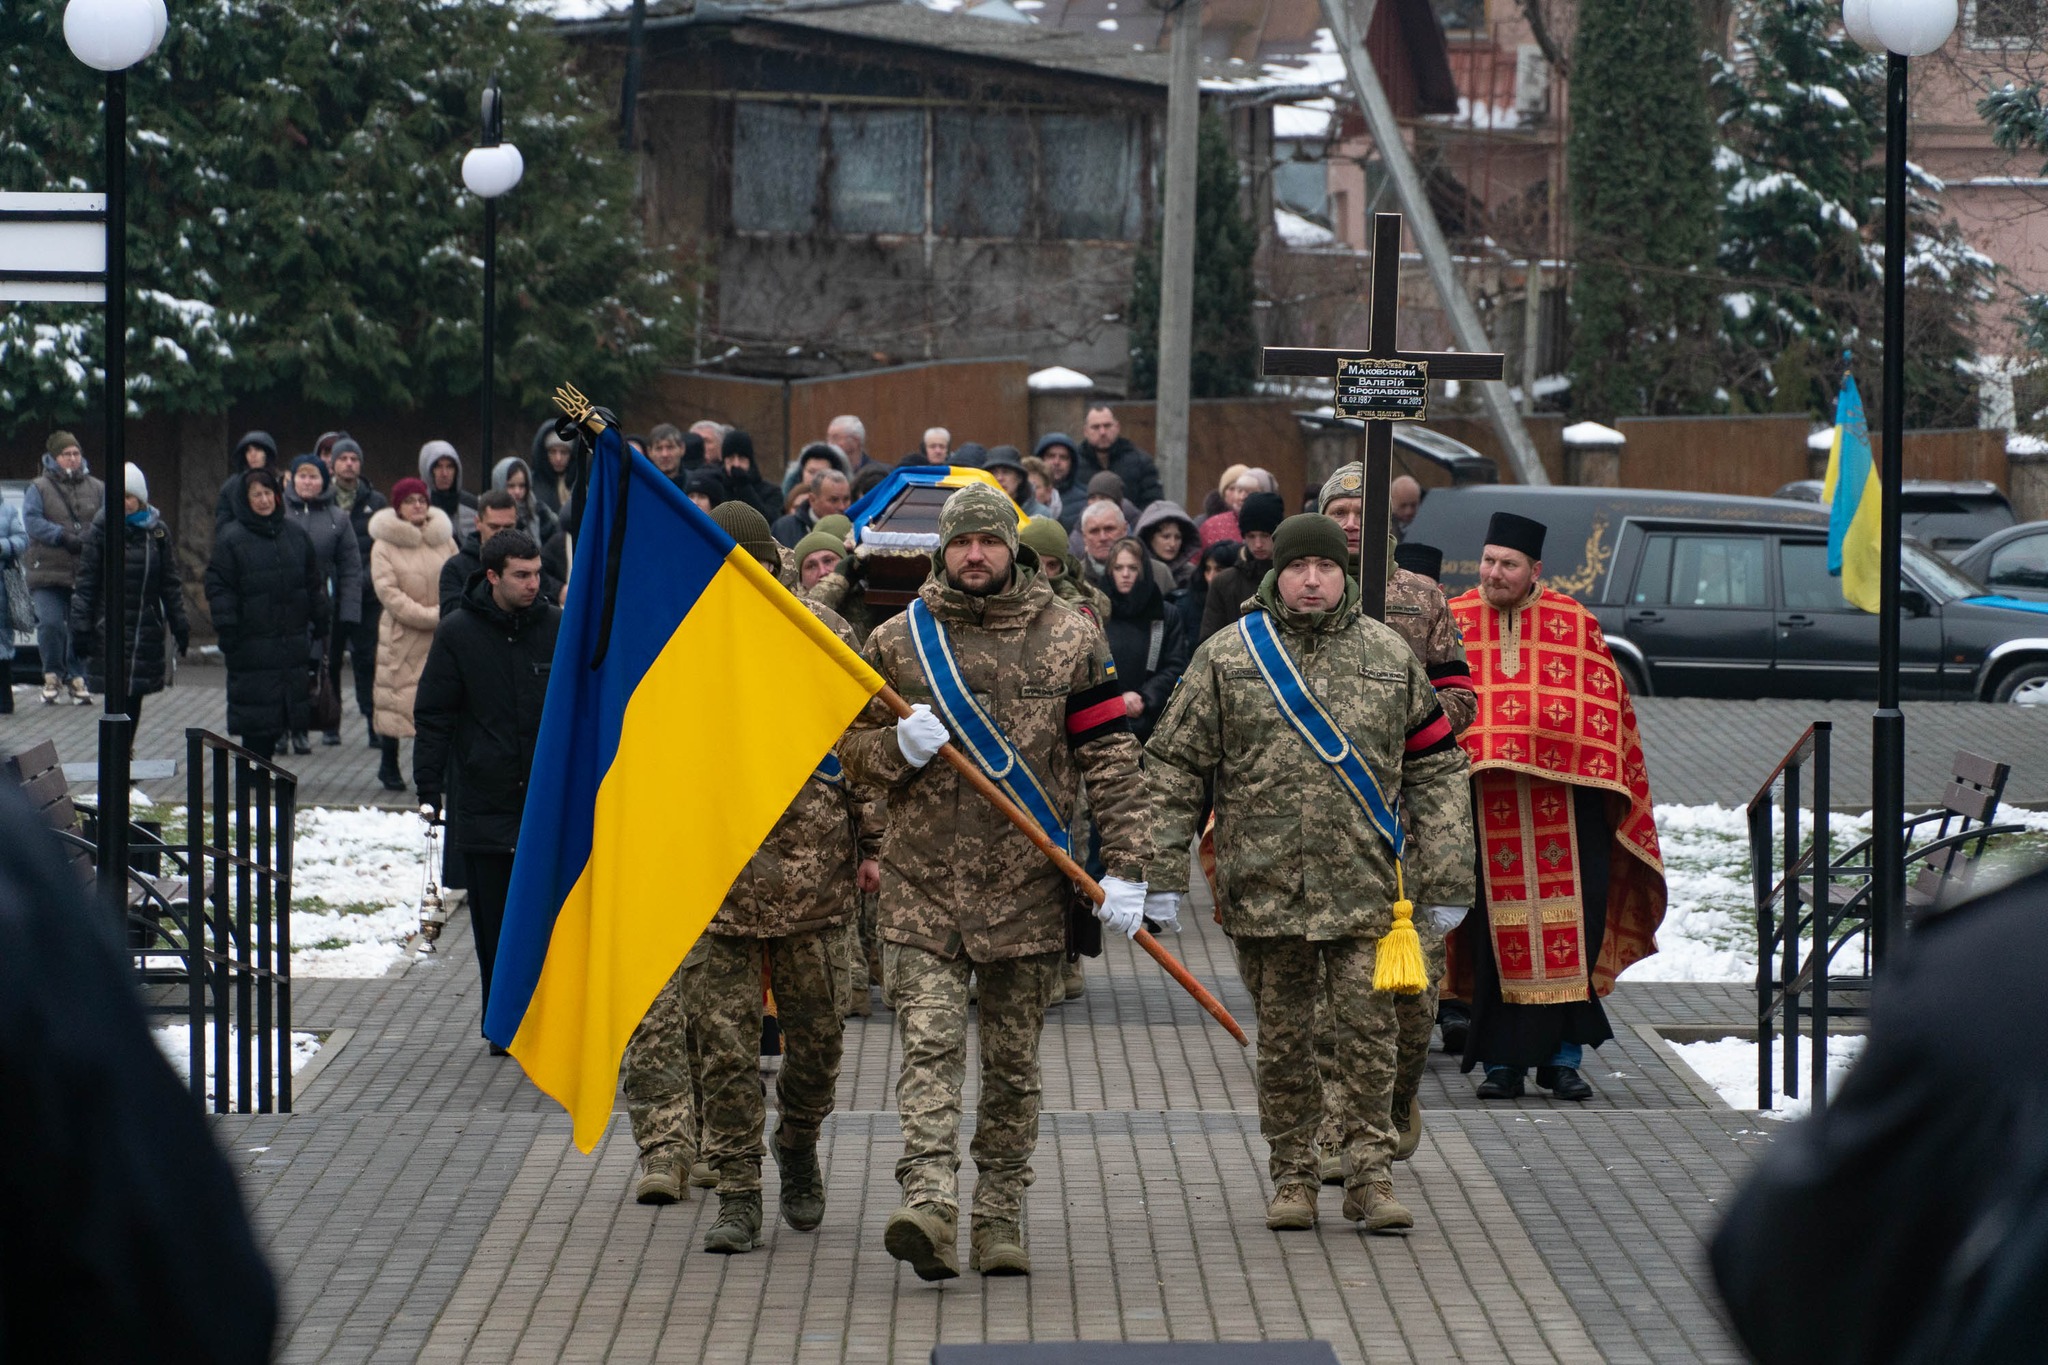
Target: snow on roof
<point x="1822" y="439"/>
<point x="1310" y="118"/>
<point x="1592" y="434"/>
<point x="1296" y="230"/>
<point x="1059" y="379"/>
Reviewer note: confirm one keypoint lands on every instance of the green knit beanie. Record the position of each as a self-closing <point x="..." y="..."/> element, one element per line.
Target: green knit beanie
<point x="819" y="540"/>
<point x="59" y="442"/>
<point x="746" y="525"/>
<point x="837" y="526"/>
<point x="1310" y="533"/>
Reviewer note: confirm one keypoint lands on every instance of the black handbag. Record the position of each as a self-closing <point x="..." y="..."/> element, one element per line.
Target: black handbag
<point x="326" y="699"/>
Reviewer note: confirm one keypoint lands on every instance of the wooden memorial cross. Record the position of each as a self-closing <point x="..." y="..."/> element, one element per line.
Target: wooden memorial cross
<point x="1381" y="385"/>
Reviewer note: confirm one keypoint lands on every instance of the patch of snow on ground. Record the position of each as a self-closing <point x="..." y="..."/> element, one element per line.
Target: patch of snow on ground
<point x="355" y="890"/>
<point x="175" y="1041"/>
<point x="1729" y="1065"/>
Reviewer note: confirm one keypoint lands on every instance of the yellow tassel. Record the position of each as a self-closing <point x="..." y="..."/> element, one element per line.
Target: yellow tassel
<point x="1397" y="966"/>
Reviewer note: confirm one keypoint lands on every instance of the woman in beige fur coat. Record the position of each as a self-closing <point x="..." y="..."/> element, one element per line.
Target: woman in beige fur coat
<point x="410" y="540"/>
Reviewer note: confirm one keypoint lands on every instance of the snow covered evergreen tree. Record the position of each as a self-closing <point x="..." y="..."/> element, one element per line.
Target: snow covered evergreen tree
<point x="1801" y="111"/>
<point x="1643" y="202"/>
<point x="298" y="223"/>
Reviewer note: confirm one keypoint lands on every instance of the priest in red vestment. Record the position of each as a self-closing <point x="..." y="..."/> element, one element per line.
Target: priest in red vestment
<point x="1571" y="880"/>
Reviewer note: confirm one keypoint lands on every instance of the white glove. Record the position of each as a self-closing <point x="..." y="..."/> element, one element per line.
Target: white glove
<point x="1163" y="909"/>
<point x="1446" y="917"/>
<point x="919" y="735"/>
<point x="1123" y="906"/>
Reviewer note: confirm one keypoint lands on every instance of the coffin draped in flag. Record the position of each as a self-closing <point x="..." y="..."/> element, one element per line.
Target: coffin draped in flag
<point x="645" y="802"/>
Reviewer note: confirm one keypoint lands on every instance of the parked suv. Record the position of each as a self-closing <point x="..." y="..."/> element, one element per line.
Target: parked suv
<point x="1950" y="515"/>
<point x="1701" y="595"/>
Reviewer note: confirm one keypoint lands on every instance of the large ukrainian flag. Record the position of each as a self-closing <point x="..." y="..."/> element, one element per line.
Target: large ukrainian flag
<point x="645" y="802"/>
<point x="1854" y="499"/>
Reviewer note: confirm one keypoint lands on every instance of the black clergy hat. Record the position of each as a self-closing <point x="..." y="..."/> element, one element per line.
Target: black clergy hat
<point x="1511" y="532"/>
<point x="1416" y="557"/>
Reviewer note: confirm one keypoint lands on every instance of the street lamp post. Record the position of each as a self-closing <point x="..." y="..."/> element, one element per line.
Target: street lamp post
<point x="490" y="170"/>
<point x="111" y="36"/>
<point x="1904" y="28"/>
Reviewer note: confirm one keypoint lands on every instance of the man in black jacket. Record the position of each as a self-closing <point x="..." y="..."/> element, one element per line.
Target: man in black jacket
<point x="478" y="711"/>
<point x="495" y="512"/>
<point x="1114" y="453"/>
<point x="355" y="495"/>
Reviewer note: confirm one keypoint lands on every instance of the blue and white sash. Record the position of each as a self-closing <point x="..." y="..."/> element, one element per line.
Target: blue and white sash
<point x="974" y="730"/>
<point x="828" y="770"/>
<point x="1318" y="728"/>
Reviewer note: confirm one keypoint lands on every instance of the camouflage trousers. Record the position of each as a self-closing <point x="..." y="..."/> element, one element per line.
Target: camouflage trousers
<point x="929" y="995"/>
<point x="1414" y="1019"/>
<point x="857" y="953"/>
<point x="726" y="1009"/>
<point x="1281" y="974"/>
<point x="662" y="1079"/>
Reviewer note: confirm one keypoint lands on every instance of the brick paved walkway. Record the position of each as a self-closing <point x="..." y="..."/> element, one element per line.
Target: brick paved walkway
<point x="425" y="1203"/>
<point x="1699" y="750"/>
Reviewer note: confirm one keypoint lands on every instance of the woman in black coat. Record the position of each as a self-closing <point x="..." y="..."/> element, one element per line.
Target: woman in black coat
<point x="1145" y="636"/>
<point x="264" y="589"/>
<point x="155" y="602"/>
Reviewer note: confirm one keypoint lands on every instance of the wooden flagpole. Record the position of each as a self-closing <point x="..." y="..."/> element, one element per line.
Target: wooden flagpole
<point x="994" y="795"/>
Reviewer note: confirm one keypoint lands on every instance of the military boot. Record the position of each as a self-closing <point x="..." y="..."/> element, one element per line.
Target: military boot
<point x="1372" y="1203"/>
<point x="803" y="1186"/>
<point x="1293" y="1208"/>
<point x="997" y="1248"/>
<point x="738" y="1228"/>
<point x="1407" y="1128"/>
<point x="702" y="1176"/>
<point x="661" y="1179"/>
<point x="923" y="1235"/>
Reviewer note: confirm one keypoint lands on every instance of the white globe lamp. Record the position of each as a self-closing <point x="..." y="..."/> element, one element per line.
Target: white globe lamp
<point x="492" y="171"/>
<point x="1856" y="19"/>
<point x="1913" y="28"/>
<point x="111" y="35"/>
<point x="161" y="19"/>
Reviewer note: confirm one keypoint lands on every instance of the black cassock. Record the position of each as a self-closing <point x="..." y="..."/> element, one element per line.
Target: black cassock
<point x="1528" y="1035"/>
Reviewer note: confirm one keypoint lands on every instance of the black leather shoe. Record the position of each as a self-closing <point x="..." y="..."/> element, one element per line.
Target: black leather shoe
<point x="1567" y="1084"/>
<point x="302" y="744"/>
<point x="1455" y="1028"/>
<point x="1546" y="1076"/>
<point x="1501" y="1083"/>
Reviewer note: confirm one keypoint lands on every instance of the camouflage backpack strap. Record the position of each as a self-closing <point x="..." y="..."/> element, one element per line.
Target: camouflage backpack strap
<point x="1319" y="729"/>
<point x="974" y="729"/>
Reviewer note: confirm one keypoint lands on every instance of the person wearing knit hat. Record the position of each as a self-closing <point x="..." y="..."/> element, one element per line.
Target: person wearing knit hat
<point x="1330" y="862"/>
<point x="837" y="526"/>
<point x="1257" y="519"/>
<point x="783" y="919"/>
<point x="968" y="896"/>
<point x="817" y="555"/>
<point x="1046" y="538"/>
<point x="749" y="529"/>
<point x="134" y="484"/>
<point x="1418" y="613"/>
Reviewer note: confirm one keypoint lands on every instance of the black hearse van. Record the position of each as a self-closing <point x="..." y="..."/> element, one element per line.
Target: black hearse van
<point x="1704" y="595"/>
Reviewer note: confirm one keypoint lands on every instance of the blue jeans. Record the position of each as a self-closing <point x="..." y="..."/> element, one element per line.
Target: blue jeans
<point x="53" y="633"/>
<point x="1567" y="1054"/>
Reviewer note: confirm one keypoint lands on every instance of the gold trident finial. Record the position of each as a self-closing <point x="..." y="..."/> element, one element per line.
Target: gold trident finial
<point x="579" y="409"/>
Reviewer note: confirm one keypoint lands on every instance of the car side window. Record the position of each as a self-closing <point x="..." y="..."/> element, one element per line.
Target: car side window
<point x="1807" y="584"/>
<point x="1715" y="571"/>
<point x="1653" y="576"/>
<point x="2020" y="563"/>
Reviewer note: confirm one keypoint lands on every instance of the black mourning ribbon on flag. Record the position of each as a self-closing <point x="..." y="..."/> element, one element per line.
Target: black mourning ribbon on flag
<point x="615" y="542"/>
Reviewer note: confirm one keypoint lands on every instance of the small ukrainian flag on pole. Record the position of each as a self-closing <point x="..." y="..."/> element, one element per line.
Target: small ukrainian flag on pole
<point x="1854" y="501"/>
<point x="606" y="898"/>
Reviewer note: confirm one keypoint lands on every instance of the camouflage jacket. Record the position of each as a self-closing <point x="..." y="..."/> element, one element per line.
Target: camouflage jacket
<point x="801" y="878"/>
<point x="1417" y="611"/>
<point x="956" y="875"/>
<point x="1083" y="596"/>
<point x="1294" y="854"/>
<point x="847" y="596"/>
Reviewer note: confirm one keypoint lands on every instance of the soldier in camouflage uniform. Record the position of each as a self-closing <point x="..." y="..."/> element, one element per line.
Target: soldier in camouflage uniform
<point x="1307" y="881"/>
<point x="1418" y="613"/>
<point x="1046" y="536"/>
<point x="963" y="892"/>
<point x="661" y="1082"/>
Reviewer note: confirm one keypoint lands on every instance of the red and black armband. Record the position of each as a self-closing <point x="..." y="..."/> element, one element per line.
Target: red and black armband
<point x="1432" y="736"/>
<point x="1451" y="673"/>
<point x="1096" y="712"/>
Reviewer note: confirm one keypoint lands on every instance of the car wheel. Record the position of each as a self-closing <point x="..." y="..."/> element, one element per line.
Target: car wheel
<point x="1631" y="678"/>
<point x="2025" y="685"/>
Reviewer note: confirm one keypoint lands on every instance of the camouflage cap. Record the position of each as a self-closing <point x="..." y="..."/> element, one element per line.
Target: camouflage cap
<point x="979" y="508"/>
<point x="746" y="525"/>
<point x="1347" y="482"/>
<point x="1310" y="533"/>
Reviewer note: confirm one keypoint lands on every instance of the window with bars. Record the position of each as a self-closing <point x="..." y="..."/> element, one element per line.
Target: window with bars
<point x="861" y="170"/>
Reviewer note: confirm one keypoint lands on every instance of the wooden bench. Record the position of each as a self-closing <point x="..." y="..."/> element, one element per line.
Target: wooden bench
<point x="1945" y="866"/>
<point x="41" y="779"/>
